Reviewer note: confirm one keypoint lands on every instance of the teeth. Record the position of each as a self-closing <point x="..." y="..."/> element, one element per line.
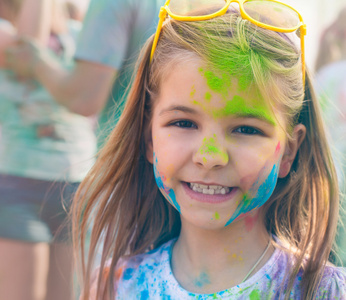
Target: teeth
<point x="209" y="189"/>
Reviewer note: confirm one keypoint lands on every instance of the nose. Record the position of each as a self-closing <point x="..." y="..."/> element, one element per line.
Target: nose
<point x="211" y="154"/>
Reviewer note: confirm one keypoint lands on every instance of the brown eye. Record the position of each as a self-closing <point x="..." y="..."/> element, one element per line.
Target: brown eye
<point x="184" y="124"/>
<point x="248" y="130"/>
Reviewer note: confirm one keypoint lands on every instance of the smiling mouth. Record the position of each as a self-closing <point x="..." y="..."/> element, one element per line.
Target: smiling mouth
<point x="209" y="189"/>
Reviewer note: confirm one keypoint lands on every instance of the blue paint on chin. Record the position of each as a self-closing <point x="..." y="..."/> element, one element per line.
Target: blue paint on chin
<point x="264" y="192"/>
<point x="167" y="192"/>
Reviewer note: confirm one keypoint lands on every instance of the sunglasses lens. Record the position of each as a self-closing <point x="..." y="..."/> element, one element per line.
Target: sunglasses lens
<point x="195" y="7"/>
<point x="272" y="13"/>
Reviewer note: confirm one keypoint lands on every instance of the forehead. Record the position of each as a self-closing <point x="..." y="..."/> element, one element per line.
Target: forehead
<point x="217" y="92"/>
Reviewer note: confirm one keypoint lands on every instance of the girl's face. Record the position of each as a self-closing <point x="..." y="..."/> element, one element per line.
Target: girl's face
<point x="217" y="148"/>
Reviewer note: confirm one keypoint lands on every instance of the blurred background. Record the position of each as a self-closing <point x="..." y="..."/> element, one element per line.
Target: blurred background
<point x="317" y="14"/>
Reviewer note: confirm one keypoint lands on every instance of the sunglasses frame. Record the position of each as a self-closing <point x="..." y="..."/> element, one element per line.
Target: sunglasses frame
<point x="165" y="10"/>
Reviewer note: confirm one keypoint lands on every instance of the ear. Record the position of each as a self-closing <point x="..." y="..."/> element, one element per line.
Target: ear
<point x="291" y="150"/>
<point x="148" y="139"/>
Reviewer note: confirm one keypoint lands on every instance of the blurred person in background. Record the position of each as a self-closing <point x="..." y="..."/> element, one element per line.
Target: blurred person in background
<point x="75" y="9"/>
<point x="331" y="89"/>
<point x="332" y="47"/>
<point x="112" y="35"/>
<point x="45" y="151"/>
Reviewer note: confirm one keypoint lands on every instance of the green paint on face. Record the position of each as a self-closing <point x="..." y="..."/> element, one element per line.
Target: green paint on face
<point x="255" y="107"/>
<point x="207" y="96"/>
<point x="209" y="147"/>
<point x="228" y="68"/>
<point x="255" y="295"/>
<point x="217" y="216"/>
<point x="240" y="107"/>
<point x="219" y="84"/>
<point x="193" y="91"/>
<point x="237" y="61"/>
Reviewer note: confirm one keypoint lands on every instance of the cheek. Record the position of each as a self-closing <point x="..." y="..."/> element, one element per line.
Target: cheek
<point x="162" y="181"/>
<point x="256" y="168"/>
<point x="258" y="185"/>
<point x="258" y="194"/>
<point x="164" y="163"/>
<point x="252" y="171"/>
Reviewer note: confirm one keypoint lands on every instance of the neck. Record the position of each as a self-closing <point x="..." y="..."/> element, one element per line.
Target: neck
<point x="207" y="261"/>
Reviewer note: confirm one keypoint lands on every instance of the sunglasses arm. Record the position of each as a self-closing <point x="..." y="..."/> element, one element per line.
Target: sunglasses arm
<point x="162" y="17"/>
<point x="302" y="47"/>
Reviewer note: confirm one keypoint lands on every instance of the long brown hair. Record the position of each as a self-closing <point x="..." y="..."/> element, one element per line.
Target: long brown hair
<point x="120" y="199"/>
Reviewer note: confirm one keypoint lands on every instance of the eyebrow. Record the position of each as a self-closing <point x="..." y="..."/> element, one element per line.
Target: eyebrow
<point x="255" y="115"/>
<point x="181" y="108"/>
<point x="240" y="110"/>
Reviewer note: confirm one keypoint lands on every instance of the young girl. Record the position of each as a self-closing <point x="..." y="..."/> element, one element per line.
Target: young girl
<point x="217" y="182"/>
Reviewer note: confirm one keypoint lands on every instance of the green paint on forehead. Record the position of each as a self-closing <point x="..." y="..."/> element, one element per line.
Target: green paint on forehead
<point x="224" y="84"/>
<point x="219" y="84"/>
<point x="193" y="91"/>
<point x="240" y="107"/>
<point x="226" y="69"/>
<point x="207" y="96"/>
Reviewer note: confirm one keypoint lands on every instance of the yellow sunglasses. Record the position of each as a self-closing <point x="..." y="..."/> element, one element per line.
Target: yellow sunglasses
<point x="268" y="14"/>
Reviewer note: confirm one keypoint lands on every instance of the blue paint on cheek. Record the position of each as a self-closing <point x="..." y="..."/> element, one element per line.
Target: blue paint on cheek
<point x="264" y="192"/>
<point x="167" y="192"/>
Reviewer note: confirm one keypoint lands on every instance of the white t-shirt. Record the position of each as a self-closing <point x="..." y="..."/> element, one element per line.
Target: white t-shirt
<point x="150" y="276"/>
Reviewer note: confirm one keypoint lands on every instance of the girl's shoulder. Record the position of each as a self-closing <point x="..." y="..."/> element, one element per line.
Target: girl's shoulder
<point x="135" y="276"/>
<point x="333" y="283"/>
<point x="132" y="274"/>
<point x="131" y="267"/>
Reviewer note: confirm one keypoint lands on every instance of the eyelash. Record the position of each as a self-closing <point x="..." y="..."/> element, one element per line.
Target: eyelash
<point x="246" y="130"/>
<point x="183" y="124"/>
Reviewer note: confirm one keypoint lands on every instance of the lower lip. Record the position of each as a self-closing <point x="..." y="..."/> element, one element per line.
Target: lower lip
<point x="213" y="199"/>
